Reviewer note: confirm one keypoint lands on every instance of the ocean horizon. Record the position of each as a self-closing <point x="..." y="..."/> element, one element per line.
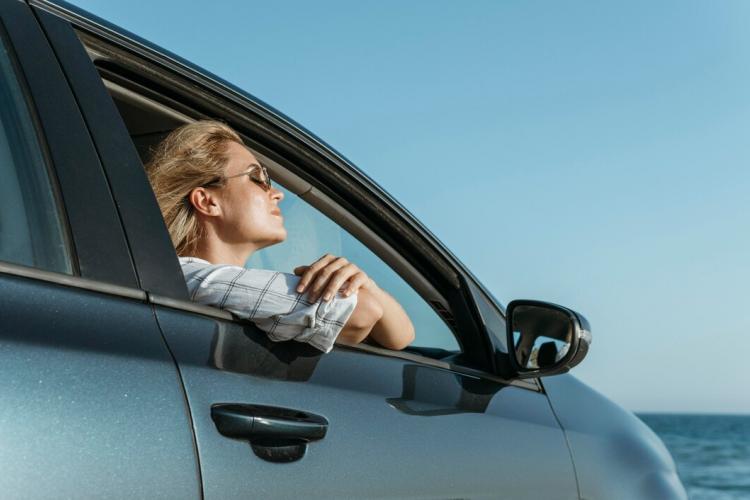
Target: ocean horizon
<point x="711" y="451"/>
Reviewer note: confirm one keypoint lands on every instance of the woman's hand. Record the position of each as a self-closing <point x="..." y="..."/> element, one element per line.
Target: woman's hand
<point x="327" y="275"/>
<point x="378" y="316"/>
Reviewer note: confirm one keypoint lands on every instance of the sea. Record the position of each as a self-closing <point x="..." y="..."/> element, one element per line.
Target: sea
<point x="712" y="452"/>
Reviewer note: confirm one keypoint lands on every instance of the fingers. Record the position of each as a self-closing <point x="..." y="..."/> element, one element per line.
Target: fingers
<point x="331" y="272"/>
<point x="326" y="276"/>
<point x="338" y="279"/>
<point x="312" y="270"/>
<point x="355" y="283"/>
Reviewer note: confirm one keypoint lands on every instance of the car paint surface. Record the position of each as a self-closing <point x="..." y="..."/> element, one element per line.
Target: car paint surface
<point x="83" y="414"/>
<point x="610" y="443"/>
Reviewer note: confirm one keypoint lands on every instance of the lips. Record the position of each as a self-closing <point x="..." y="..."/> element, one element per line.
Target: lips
<point x="276" y="212"/>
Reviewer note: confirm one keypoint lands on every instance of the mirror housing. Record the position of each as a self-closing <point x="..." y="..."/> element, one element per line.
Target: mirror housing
<point x="545" y="339"/>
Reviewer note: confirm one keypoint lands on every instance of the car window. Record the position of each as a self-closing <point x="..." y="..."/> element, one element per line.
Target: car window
<point x="311" y="235"/>
<point x="31" y="229"/>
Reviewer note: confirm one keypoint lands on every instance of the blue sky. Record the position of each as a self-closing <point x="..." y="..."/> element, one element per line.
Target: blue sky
<point x="592" y="154"/>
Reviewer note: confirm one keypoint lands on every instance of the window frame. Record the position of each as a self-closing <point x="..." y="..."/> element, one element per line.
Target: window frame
<point x="203" y="94"/>
<point x="138" y="214"/>
<point x="90" y="223"/>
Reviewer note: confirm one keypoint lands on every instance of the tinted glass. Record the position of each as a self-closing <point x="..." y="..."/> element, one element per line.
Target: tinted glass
<point x="311" y="235"/>
<point x="30" y="226"/>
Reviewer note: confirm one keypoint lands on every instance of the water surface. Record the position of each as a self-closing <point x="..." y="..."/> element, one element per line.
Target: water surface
<point x="712" y="452"/>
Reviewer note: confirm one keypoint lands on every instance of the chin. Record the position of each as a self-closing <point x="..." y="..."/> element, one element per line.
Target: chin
<point x="275" y="239"/>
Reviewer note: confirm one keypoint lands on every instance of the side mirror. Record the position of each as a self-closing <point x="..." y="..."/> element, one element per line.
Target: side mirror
<point x="545" y="339"/>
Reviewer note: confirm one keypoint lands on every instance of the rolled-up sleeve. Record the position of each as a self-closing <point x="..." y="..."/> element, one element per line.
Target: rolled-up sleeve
<point x="268" y="299"/>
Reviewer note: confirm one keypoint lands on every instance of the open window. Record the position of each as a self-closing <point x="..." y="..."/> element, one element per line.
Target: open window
<point x="317" y="221"/>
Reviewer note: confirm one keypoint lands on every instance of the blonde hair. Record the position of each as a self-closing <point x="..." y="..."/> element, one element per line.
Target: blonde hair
<point x="190" y="156"/>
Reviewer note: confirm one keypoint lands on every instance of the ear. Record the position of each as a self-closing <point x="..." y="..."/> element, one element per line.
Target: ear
<point x="204" y="202"/>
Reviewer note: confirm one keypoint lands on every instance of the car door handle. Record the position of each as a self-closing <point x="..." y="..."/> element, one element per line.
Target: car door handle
<point x="268" y="424"/>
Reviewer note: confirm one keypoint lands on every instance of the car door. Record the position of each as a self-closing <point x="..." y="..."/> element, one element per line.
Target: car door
<point x="284" y="420"/>
<point x="396" y="424"/>
<point x="91" y="404"/>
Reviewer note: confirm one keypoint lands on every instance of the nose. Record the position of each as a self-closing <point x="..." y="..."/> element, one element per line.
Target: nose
<point x="276" y="194"/>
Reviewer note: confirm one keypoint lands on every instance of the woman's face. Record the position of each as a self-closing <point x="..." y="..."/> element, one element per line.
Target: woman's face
<point x="249" y="214"/>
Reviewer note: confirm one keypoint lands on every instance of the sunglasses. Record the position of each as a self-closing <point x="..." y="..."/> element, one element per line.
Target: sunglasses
<point x="258" y="174"/>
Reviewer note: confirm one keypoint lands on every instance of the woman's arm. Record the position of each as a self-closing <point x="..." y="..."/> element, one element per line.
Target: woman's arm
<point x="394" y="330"/>
<point x="377" y="315"/>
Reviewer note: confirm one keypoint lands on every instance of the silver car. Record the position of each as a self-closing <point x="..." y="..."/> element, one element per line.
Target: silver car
<point x="115" y="385"/>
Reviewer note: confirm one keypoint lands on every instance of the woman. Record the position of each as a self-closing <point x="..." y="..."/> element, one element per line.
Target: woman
<point x="219" y="207"/>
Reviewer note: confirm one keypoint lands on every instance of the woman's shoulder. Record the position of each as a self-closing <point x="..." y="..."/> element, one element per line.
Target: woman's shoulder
<point x="193" y="260"/>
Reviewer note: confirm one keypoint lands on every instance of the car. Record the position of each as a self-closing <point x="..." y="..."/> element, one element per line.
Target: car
<point x="117" y="385"/>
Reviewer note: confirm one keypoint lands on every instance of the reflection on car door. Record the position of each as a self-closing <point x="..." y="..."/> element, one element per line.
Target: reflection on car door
<point x="91" y="404"/>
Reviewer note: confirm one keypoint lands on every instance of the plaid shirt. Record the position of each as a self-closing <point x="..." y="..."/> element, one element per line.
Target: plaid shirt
<point x="268" y="299"/>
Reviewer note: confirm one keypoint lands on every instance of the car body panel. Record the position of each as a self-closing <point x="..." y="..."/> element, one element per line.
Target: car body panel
<point x="91" y="404"/>
<point x="396" y="428"/>
<point x="617" y="456"/>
